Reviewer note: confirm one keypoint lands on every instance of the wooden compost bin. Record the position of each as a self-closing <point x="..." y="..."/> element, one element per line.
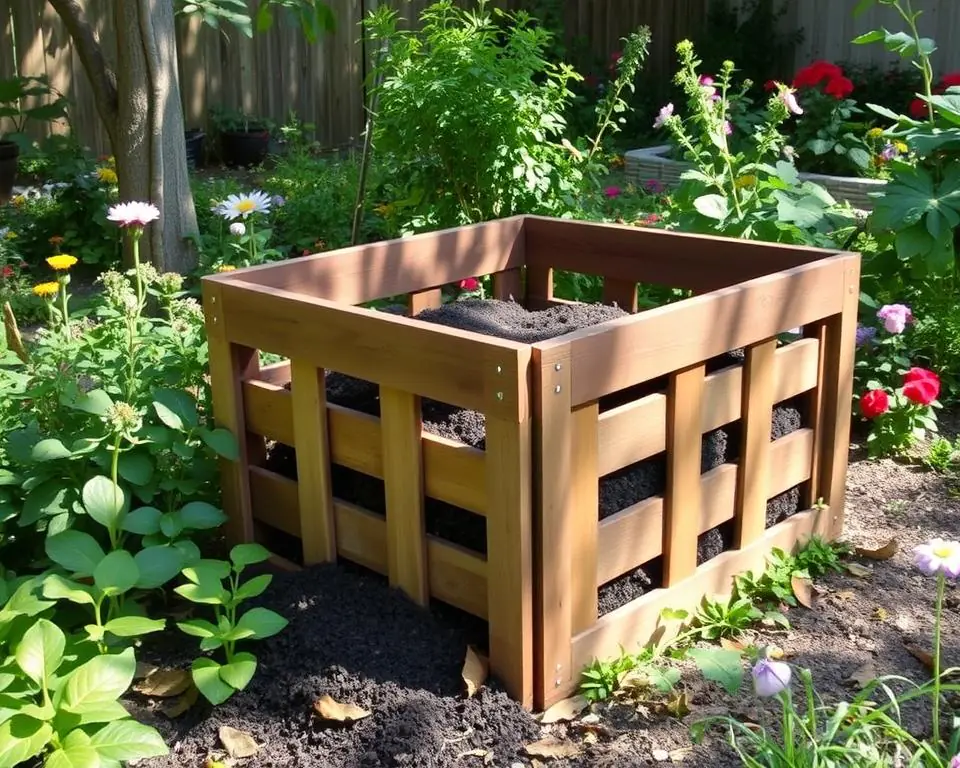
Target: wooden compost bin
<point x="547" y="442"/>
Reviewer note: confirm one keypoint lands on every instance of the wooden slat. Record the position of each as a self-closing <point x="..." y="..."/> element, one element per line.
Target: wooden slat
<point x="682" y="497"/>
<point x="395" y="267"/>
<point x="457" y="576"/>
<point x="817" y="331"/>
<point x="508" y="285"/>
<point x="759" y="379"/>
<point x="539" y="287"/>
<point x="633" y="536"/>
<point x="403" y="479"/>
<point x="268" y="410"/>
<point x="457" y="367"/>
<point x="417" y="302"/>
<point x="510" y="549"/>
<point x="583" y="502"/>
<point x="277" y="374"/>
<point x="623" y="293"/>
<point x="276" y="500"/>
<point x="361" y="536"/>
<point x="621" y="353"/>
<point x="637" y="430"/>
<point x="309" y="401"/>
<point x="455" y="473"/>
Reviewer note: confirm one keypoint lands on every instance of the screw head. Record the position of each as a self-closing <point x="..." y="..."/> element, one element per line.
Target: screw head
<point x="556" y="389"/>
<point x="558" y="367"/>
<point x="499" y="395"/>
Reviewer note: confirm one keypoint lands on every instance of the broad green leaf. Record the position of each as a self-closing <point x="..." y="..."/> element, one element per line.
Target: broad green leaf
<point x="208" y="593"/>
<point x="102" y="679"/>
<point x="76" y="551"/>
<point x="805" y="212"/>
<point x="24" y="600"/>
<point x="135" y="467"/>
<point x="787" y="173"/>
<point x="884" y="112"/>
<point x="674" y="614"/>
<point x="247" y="554"/>
<point x="79" y="756"/>
<point x="96" y="401"/>
<point x="874" y="36"/>
<point x="175" y="408"/>
<point x="49" y="498"/>
<point x="22" y="738"/>
<point x="104" y="501"/>
<point x="263" y="622"/>
<point x="254" y="587"/>
<point x="98" y="712"/>
<point x="859" y="157"/>
<point x="663" y="678"/>
<point x="128" y="740"/>
<point x="58" y="588"/>
<point x="157" y="565"/>
<point x="206" y="676"/>
<point x="170" y="524"/>
<point x="207" y="570"/>
<point x="116" y="573"/>
<point x="40" y="651"/>
<point x="222" y="442"/>
<point x="200" y="516"/>
<point x="820" y="146"/>
<point x="712" y="206"/>
<point x="133" y="626"/>
<point x="238" y="673"/>
<point x="720" y="666"/>
<point x="198" y="628"/>
<point x="189" y="550"/>
<point x="50" y="449"/>
<point x="143" y="520"/>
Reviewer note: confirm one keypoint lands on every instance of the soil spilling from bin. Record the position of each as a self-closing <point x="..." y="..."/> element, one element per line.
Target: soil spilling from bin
<point x="617" y="491"/>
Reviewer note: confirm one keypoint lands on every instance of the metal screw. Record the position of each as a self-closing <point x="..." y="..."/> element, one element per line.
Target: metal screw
<point x="499" y="395"/>
<point x="499" y="369"/>
<point x="559" y="667"/>
<point x="556" y="389"/>
<point x="557" y="683"/>
<point x="558" y="367"/>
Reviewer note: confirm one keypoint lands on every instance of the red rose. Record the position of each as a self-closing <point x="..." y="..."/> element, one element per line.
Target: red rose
<point x="771" y="85"/>
<point x="811" y="76"/>
<point x="953" y="78"/>
<point x="6" y="272"/>
<point x="874" y="402"/>
<point x="470" y="284"/>
<point x="921" y="386"/>
<point x="839" y="87"/>
<point x="918" y="109"/>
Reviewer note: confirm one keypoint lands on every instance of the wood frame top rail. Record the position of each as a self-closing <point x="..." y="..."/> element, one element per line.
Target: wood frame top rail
<point x="632" y="350"/>
<point x="393" y="267"/>
<point x="457" y="367"/>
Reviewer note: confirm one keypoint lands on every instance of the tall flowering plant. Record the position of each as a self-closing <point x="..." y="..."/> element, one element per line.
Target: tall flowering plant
<point x="247" y="236"/>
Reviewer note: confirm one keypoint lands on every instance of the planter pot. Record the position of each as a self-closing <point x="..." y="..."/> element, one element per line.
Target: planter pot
<point x="558" y="416"/>
<point x="642" y="165"/>
<point x="9" y="153"/>
<point x="196" y="143"/>
<point x="244" y="148"/>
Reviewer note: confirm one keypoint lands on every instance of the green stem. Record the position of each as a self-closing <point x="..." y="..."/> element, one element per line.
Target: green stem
<point x="114" y="470"/>
<point x="252" y="235"/>
<point x="941" y="588"/>
<point x="787" y="726"/>
<point x="63" y="307"/>
<point x="102" y="646"/>
<point x="926" y="68"/>
<point x="136" y="234"/>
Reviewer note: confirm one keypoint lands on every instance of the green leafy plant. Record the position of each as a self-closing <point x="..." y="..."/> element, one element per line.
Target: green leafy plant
<point x="715" y="619"/>
<point x="941" y="455"/>
<point x="818" y="557"/>
<point x="24" y="98"/>
<point x="773" y="584"/>
<point x="217" y="583"/>
<point x="647" y="669"/>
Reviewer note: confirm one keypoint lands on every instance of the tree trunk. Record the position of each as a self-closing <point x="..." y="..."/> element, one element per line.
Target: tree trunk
<point x="139" y="103"/>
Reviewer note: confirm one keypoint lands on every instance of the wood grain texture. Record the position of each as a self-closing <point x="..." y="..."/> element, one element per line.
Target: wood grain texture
<point x="508" y="285"/>
<point x="622" y="293"/>
<point x="583" y="501"/>
<point x="417" y="302"/>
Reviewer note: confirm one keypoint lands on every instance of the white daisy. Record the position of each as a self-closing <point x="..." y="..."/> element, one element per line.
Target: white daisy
<point x="242" y="206"/>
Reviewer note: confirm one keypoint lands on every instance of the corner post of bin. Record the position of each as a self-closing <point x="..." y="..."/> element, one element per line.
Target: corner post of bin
<point x="230" y="364"/>
<point x="837" y="335"/>
<point x="509" y="491"/>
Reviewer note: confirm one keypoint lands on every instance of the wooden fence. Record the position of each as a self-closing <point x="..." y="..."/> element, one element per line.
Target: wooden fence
<point x="278" y="72"/>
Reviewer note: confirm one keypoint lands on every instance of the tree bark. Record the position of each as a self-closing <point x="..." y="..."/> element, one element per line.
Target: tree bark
<point x="139" y="103"/>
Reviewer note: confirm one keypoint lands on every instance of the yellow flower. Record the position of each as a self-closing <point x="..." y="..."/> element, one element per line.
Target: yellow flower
<point x="875" y="133"/>
<point x="11" y="236"/>
<point x="107" y="175"/>
<point x="901" y="147"/>
<point x="46" y="290"/>
<point x="18" y="200"/>
<point x="226" y="268"/>
<point x="746" y="181"/>
<point x="62" y="262"/>
<point x="384" y="209"/>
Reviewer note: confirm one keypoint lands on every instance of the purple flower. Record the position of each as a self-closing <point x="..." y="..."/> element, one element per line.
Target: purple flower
<point x="771" y="677"/>
<point x="865" y="334"/>
<point x="895" y="317"/>
<point x="727" y="128"/>
<point x="706" y="84"/>
<point x="889" y="152"/>
<point x="666" y="112"/>
<point x="612" y="192"/>
<point x="653" y="186"/>
<point x="279" y="201"/>
<point x="955" y="762"/>
<point x="938" y="556"/>
<point x="789" y="98"/>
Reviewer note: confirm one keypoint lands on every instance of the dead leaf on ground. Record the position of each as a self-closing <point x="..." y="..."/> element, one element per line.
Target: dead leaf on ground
<point x="564" y="710"/>
<point x="924" y="657"/>
<point x="475" y="670"/>
<point x="590" y="737"/>
<point x="327" y="708"/>
<point x="552" y="748"/>
<point x="175" y="707"/>
<point x="484" y="754"/>
<point x="863" y="675"/>
<point x="144" y="670"/>
<point x="681" y="754"/>
<point x="238" y="743"/>
<point x="678" y="707"/>
<point x="858" y="570"/>
<point x="844" y="595"/>
<point x="880" y="614"/>
<point x="164" y="683"/>
<point x="802" y="590"/>
<point x="885" y="552"/>
<point x="729" y="644"/>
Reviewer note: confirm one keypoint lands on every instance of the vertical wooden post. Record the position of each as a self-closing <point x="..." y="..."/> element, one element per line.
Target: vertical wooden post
<point x="508" y="285"/>
<point x="583" y="504"/>
<point x="539" y="287"/>
<point x="401" y="426"/>
<point x="417" y="302"/>
<point x="314" y="486"/>
<point x="682" y="501"/>
<point x="230" y="364"/>
<point x="622" y="293"/>
<point x="753" y="474"/>
<point x="836" y="386"/>
<point x="811" y="491"/>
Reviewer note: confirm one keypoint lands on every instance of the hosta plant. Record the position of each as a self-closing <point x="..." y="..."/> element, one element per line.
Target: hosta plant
<point x="217" y="583"/>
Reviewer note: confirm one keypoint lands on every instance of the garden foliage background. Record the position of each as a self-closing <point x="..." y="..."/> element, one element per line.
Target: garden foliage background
<point x="279" y="71"/>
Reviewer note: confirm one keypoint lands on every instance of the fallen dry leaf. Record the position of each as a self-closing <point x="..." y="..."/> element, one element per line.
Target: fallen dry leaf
<point x="475" y="670"/>
<point x="484" y="754"/>
<point x="681" y="754"/>
<point x="238" y="743"/>
<point x="164" y="683"/>
<point x="564" y="710"/>
<point x="144" y="670"/>
<point x="863" y="675"/>
<point x="802" y="590"/>
<point x="924" y="657"/>
<point x="590" y="737"/>
<point x="678" y="707"/>
<point x="859" y="570"/>
<point x="552" y="748"/>
<point x="885" y="552"/>
<point x="880" y="614"/>
<point x="328" y="709"/>
<point x="175" y="707"/>
<point x="732" y="645"/>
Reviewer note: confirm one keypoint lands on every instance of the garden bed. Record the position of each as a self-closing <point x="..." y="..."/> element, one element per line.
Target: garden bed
<point x="629" y="393"/>
<point x="653" y="163"/>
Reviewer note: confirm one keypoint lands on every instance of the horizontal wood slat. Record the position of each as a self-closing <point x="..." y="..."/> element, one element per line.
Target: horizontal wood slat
<point x="637" y="430"/>
<point x="457" y="576"/>
<point x="632" y="537"/>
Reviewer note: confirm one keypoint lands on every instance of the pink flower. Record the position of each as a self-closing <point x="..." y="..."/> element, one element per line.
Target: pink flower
<point x="895" y="317"/>
<point x="6" y="272"/>
<point x="612" y="192"/>
<point x="653" y="186"/>
<point x="770" y="678"/>
<point x="727" y="128"/>
<point x="133" y="214"/>
<point x="706" y="83"/>
<point x="789" y="97"/>
<point x="470" y="284"/>
<point x="938" y="556"/>
<point x="666" y="112"/>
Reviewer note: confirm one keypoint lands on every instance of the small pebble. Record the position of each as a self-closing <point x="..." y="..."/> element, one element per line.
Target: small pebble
<point x="661" y="755"/>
